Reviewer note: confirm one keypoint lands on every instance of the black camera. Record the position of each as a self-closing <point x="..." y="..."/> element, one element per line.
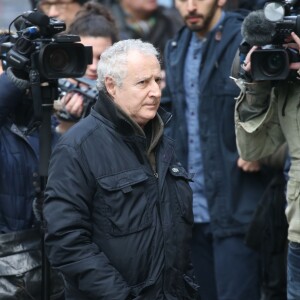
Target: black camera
<point x="272" y="63"/>
<point x="85" y="87"/>
<point x="38" y="44"/>
<point x="270" y="29"/>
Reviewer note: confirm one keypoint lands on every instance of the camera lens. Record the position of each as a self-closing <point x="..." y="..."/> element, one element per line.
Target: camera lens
<point x="59" y="60"/>
<point x="273" y="64"/>
<point x="270" y="64"/>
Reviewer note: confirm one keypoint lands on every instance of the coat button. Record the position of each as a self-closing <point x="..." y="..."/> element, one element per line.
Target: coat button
<point x="175" y="170"/>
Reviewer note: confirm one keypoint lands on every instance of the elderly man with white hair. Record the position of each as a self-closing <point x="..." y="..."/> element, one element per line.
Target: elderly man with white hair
<point x="118" y="205"/>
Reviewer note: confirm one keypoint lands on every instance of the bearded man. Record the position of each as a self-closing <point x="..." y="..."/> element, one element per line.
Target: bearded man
<point x="226" y="189"/>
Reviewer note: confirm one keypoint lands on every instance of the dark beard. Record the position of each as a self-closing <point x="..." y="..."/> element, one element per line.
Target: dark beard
<point x="207" y="21"/>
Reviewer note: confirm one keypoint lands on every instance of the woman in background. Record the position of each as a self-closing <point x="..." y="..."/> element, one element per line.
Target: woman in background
<point x="96" y="27"/>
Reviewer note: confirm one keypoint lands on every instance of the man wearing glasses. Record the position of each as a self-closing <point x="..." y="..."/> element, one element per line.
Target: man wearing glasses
<point x="64" y="10"/>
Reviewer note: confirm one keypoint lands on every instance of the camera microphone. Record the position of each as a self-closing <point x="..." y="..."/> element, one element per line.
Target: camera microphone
<point x="257" y="30"/>
<point x="37" y="18"/>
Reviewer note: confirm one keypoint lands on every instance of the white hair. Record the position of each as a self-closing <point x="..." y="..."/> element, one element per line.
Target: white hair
<point x="113" y="60"/>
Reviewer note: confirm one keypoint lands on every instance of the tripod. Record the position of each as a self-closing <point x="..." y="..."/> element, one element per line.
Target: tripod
<point x="43" y="95"/>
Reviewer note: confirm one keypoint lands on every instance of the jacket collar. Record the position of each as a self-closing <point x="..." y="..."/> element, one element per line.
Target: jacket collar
<point x="123" y="123"/>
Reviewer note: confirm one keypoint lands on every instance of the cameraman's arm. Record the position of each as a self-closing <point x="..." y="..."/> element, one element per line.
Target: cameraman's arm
<point x="12" y="90"/>
<point x="258" y="130"/>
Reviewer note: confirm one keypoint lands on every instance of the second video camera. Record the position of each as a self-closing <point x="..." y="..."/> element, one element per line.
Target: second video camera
<point x="269" y="29"/>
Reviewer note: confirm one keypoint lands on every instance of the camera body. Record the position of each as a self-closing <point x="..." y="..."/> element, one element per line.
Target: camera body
<point x="39" y="44"/>
<point x="272" y="61"/>
<point x="83" y="86"/>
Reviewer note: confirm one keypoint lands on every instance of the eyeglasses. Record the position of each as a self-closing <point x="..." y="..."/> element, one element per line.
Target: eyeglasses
<point x="60" y="5"/>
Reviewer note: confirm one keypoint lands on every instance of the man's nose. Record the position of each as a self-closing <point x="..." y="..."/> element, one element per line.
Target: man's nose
<point x="53" y="11"/>
<point x="93" y="66"/>
<point x="155" y="89"/>
<point x="191" y="5"/>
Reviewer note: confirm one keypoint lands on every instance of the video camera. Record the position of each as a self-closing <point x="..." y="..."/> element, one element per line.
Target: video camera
<point x="270" y="28"/>
<point x="39" y="45"/>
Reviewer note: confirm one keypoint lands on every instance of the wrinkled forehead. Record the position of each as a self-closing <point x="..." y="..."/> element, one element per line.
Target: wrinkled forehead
<point x="142" y="66"/>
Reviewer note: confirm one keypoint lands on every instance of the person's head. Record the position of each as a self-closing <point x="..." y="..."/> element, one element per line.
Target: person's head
<point x="139" y="9"/>
<point x="129" y="72"/>
<point x="96" y="27"/>
<point x="64" y="10"/>
<point x="200" y="15"/>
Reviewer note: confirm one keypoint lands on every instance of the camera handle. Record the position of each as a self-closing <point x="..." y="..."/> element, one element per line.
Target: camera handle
<point x="43" y="95"/>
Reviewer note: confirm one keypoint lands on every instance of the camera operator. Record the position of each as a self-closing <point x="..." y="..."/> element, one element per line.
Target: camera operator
<point x="20" y="238"/>
<point x="266" y="116"/>
<point x="28" y="87"/>
<point x="96" y="27"/>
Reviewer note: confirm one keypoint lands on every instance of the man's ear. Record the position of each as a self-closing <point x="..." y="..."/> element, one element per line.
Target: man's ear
<point x="110" y="86"/>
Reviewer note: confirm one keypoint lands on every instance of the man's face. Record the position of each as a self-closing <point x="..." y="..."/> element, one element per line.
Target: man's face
<point x="64" y="10"/>
<point x="140" y="93"/>
<point x="140" y="6"/>
<point x="199" y="15"/>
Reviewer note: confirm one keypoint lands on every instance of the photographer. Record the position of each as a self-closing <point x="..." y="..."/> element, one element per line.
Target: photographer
<point x="28" y="87"/>
<point x="96" y="27"/>
<point x="20" y="238"/>
<point x="266" y="116"/>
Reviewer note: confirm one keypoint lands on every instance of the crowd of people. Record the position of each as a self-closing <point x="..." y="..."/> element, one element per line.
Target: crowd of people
<point x="177" y="181"/>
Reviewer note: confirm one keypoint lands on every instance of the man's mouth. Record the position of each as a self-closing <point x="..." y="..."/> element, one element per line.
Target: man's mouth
<point x="193" y="19"/>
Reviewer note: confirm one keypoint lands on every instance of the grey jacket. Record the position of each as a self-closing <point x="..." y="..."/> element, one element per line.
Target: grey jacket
<point x="266" y="116"/>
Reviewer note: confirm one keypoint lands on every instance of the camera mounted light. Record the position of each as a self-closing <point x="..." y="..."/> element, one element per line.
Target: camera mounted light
<point x="274" y="11"/>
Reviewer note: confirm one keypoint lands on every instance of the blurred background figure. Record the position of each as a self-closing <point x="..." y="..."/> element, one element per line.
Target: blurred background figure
<point x="97" y="28"/>
<point x="64" y="10"/>
<point x="226" y="189"/>
<point x="146" y="20"/>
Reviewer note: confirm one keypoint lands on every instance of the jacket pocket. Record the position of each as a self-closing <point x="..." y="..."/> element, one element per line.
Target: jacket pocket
<point x="184" y="195"/>
<point x="124" y="202"/>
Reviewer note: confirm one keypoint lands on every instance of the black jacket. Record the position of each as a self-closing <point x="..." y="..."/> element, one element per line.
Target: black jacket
<point x="116" y="228"/>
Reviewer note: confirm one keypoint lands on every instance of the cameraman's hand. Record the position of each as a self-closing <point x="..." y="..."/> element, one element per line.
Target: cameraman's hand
<point x="73" y="103"/>
<point x="295" y="44"/>
<point x="247" y="62"/>
<point x="248" y="166"/>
